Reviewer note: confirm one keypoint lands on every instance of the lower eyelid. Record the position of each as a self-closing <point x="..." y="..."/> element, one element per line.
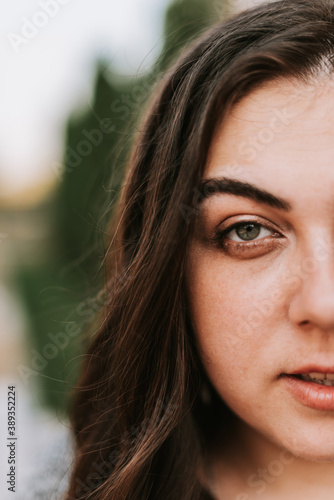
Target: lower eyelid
<point x="252" y="249"/>
<point x="264" y="241"/>
<point x="269" y="241"/>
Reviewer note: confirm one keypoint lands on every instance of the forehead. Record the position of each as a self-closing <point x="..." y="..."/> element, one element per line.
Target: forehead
<point x="279" y="135"/>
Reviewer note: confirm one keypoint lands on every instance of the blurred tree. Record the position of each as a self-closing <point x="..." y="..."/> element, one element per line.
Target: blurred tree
<point x="184" y="21"/>
<point x="61" y="293"/>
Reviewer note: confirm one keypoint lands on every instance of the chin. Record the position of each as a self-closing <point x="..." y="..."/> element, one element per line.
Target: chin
<point x="311" y="446"/>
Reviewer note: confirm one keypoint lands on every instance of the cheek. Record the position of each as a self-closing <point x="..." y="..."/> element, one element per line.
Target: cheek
<point x="235" y="325"/>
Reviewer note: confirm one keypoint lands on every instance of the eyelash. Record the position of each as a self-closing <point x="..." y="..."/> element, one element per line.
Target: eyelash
<point x="219" y="238"/>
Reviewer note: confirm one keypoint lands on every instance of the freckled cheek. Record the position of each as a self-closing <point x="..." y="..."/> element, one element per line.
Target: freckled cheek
<point x="229" y="356"/>
<point x="222" y="299"/>
<point x="222" y="307"/>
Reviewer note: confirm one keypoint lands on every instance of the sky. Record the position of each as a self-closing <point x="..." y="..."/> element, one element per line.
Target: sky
<point x="48" y="49"/>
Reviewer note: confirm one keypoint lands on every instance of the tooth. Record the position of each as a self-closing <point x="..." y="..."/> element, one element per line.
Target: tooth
<point x="327" y="382"/>
<point x="306" y="378"/>
<point x="317" y="375"/>
<point x="330" y="376"/>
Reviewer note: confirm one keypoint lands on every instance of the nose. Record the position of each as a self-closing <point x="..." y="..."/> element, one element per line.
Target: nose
<point x="313" y="302"/>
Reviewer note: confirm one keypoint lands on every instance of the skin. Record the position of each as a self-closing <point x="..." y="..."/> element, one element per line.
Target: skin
<point x="242" y="352"/>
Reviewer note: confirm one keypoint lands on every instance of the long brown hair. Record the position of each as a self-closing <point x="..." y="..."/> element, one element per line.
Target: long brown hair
<point x="140" y="423"/>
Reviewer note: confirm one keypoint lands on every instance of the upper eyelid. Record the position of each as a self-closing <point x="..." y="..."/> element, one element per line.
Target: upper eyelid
<point x="235" y="225"/>
<point x="258" y="220"/>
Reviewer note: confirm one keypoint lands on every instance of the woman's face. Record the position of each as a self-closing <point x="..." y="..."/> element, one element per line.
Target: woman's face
<point x="262" y="296"/>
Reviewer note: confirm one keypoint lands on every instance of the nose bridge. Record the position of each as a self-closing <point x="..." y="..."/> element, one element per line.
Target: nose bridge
<point x="321" y="250"/>
<point x="314" y="299"/>
<point x="320" y="269"/>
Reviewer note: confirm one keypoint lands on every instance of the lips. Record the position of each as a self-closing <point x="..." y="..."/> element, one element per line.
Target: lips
<point x="304" y="370"/>
<point x="310" y="394"/>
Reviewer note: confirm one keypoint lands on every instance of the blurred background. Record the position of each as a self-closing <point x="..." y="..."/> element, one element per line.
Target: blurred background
<point x="76" y="76"/>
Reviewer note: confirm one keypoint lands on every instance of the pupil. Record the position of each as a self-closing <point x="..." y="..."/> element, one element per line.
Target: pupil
<point x="248" y="231"/>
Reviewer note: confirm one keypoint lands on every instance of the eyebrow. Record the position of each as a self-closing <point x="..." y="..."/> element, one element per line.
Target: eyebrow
<point x="220" y="185"/>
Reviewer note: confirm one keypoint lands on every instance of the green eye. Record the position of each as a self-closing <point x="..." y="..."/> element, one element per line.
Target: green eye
<point x="248" y="231"/>
<point x="244" y="236"/>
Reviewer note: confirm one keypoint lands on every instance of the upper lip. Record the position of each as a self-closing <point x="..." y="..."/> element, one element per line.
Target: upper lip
<point x="313" y="368"/>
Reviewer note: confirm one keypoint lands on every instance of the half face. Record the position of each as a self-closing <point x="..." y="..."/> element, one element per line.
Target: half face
<point x="260" y="275"/>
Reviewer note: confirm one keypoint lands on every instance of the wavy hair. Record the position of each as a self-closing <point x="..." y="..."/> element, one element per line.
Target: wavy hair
<point x="141" y="423"/>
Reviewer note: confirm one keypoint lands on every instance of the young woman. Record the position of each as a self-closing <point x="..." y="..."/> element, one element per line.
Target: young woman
<point x="210" y="376"/>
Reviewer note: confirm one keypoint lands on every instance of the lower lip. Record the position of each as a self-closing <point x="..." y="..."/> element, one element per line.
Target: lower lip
<point x="319" y="397"/>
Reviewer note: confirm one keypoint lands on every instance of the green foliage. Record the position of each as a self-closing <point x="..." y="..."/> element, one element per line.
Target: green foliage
<point x="184" y="21"/>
